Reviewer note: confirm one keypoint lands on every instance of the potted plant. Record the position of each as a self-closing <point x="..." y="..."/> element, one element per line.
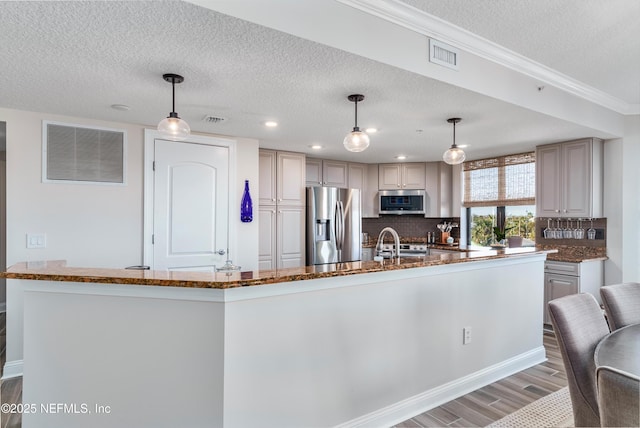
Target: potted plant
<point x="501" y="233"/>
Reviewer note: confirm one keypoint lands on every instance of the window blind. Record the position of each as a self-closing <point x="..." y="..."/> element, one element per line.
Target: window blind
<point x="500" y="181"/>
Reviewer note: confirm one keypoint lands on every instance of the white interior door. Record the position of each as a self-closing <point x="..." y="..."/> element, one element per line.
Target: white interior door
<point x="190" y="206"/>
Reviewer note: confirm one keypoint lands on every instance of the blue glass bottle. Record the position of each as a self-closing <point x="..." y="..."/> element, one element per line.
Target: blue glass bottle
<point x="246" y="206"/>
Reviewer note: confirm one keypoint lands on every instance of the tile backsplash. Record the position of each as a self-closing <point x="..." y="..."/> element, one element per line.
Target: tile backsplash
<point x="414" y="226"/>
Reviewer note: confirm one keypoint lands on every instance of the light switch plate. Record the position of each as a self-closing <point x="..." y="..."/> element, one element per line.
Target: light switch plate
<point x="36" y="240"/>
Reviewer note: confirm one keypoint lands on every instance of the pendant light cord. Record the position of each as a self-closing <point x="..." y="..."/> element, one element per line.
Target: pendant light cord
<point x="356" y="114"/>
<point x="173" y="98"/>
<point x="454" y="134"/>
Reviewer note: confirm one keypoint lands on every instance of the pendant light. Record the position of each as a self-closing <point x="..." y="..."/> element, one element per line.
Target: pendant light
<point x="172" y="126"/>
<point x="454" y="155"/>
<point x="356" y="140"/>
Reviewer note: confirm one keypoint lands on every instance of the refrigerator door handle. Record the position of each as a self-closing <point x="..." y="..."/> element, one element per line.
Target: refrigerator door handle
<point x="336" y="225"/>
<point x="341" y="208"/>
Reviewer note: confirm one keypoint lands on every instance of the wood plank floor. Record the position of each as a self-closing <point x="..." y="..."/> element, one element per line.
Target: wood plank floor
<point x="476" y="409"/>
<point x="495" y="401"/>
<point x="11" y="389"/>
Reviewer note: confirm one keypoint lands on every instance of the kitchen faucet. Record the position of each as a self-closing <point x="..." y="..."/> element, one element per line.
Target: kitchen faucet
<point x="396" y="239"/>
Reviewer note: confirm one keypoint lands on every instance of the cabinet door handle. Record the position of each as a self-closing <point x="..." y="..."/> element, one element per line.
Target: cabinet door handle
<point x="398" y="185"/>
<point x="557" y="211"/>
<point x="274" y="199"/>
<point x="565" y="210"/>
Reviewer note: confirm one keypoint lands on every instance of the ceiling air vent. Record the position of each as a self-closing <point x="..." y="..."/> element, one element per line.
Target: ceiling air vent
<point x="213" y="119"/>
<point x="443" y="54"/>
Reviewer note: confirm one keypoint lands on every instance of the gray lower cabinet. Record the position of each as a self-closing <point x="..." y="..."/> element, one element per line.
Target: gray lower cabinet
<point x="565" y="278"/>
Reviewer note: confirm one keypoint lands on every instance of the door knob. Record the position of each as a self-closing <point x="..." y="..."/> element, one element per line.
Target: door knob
<point x="221" y="252"/>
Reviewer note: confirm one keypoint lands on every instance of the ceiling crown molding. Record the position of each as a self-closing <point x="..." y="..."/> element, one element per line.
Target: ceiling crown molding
<point x="409" y="17"/>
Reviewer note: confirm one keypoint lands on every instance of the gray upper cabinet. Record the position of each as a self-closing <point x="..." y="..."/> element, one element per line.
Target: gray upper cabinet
<point x="401" y="176"/>
<point x="291" y="176"/>
<point x="357" y="176"/>
<point x="282" y="176"/>
<point x="569" y="179"/>
<point x="438" y="190"/>
<point x="370" y="202"/>
<point x="314" y="172"/>
<point x="335" y="174"/>
<point x="330" y="173"/>
<point x="267" y="173"/>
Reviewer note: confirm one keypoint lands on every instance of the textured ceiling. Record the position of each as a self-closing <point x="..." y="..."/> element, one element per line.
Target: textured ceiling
<point x="580" y="38"/>
<point x="79" y="58"/>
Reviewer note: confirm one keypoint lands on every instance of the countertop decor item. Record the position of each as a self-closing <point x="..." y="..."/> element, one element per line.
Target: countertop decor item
<point x="356" y="140"/>
<point x="246" y="206"/>
<point x="455" y="155"/>
<point x="172" y="126"/>
<point x="501" y="233"/>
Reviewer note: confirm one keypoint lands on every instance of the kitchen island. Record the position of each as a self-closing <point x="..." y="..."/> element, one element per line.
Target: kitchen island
<point x="353" y="344"/>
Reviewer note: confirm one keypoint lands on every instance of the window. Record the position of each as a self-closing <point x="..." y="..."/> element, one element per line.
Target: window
<point x="500" y="192"/>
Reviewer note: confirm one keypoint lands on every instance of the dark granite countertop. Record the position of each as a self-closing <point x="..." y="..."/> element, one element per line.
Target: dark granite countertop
<point x="59" y="271"/>
<point x="576" y="254"/>
<point x="563" y="253"/>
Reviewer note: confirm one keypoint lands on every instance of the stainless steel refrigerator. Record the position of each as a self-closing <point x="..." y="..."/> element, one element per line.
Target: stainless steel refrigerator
<point x="334" y="225"/>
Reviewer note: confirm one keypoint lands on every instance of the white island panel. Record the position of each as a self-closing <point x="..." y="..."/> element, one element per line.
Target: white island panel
<point x="370" y="349"/>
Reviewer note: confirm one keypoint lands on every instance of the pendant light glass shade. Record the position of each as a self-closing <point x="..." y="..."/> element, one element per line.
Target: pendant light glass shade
<point x="356" y="140"/>
<point x="172" y="126"/>
<point x="454" y="155"/>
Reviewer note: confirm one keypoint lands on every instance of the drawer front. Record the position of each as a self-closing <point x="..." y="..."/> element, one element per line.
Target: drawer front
<point x="563" y="268"/>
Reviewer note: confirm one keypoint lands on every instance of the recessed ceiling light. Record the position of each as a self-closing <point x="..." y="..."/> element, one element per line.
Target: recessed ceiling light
<point x="401" y="157"/>
<point x="316" y="146"/>
<point x="120" y="107"/>
<point x="270" y="124"/>
<point x="371" y="130"/>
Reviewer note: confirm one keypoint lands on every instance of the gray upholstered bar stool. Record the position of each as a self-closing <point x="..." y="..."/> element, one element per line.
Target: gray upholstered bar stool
<point x="579" y="325"/>
<point x="622" y="304"/>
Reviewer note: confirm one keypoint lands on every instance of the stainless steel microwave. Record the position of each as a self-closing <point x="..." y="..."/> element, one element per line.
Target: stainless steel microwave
<point x="401" y="201"/>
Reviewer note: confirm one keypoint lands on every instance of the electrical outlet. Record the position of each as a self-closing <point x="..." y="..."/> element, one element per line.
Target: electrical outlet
<point x="36" y="240"/>
<point x="466" y="335"/>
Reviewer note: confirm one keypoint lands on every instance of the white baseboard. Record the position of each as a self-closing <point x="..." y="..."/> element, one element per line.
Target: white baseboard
<point x="420" y="403"/>
<point x="12" y="369"/>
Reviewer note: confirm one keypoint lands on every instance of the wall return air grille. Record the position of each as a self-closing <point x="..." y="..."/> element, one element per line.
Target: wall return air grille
<point x="443" y="54"/>
<point x="78" y="154"/>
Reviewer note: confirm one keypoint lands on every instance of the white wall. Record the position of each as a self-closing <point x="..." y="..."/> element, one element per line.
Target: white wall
<point x="612" y="202"/>
<point x="3" y="224"/>
<point x="630" y="203"/>
<point x="89" y="225"/>
<point x="622" y="204"/>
